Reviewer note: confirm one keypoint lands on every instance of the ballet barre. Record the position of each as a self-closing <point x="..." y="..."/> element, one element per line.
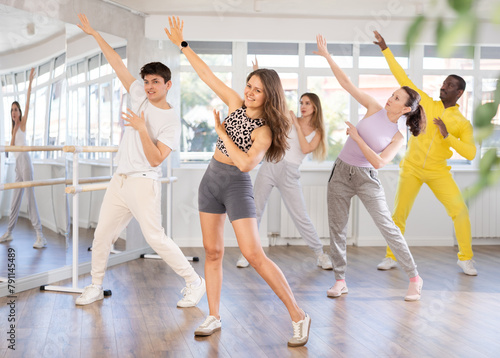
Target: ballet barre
<point x="54" y="181"/>
<point x="28" y="148"/>
<point x="76" y="150"/>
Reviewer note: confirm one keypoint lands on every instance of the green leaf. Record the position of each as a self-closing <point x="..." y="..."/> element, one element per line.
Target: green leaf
<point x="414" y="31"/>
<point x="461" y="6"/>
<point x="484" y="114"/>
<point x="463" y="28"/>
<point x="488" y="161"/>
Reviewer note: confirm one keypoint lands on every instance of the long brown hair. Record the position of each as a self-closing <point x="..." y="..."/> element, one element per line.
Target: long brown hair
<point x="274" y="113"/>
<point x="16" y="103"/>
<point x="318" y="123"/>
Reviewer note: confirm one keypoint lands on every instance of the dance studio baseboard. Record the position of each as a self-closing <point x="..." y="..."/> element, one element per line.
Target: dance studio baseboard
<point x="64" y="273"/>
<point x="412" y="241"/>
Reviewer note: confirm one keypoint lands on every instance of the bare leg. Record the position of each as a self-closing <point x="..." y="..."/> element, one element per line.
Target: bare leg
<point x="212" y="228"/>
<point x="249" y="242"/>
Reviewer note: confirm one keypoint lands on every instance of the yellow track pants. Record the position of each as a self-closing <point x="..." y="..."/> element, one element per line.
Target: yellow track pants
<point x="447" y="192"/>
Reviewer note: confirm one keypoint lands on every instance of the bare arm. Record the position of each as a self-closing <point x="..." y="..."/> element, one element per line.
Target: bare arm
<point x="305" y="146"/>
<point x="363" y="98"/>
<point x="155" y="153"/>
<point x="24" y="119"/>
<point x="377" y="160"/>
<point x="261" y="141"/>
<point x="113" y="58"/>
<point x="225" y="93"/>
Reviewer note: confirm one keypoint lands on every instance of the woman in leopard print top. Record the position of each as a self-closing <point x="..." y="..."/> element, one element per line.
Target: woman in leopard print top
<point x="256" y="128"/>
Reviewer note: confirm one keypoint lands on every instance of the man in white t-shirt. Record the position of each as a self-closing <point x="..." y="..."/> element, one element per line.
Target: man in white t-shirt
<point x="152" y="132"/>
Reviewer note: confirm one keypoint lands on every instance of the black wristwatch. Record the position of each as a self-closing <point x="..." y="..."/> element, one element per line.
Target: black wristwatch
<point x="183" y="44"/>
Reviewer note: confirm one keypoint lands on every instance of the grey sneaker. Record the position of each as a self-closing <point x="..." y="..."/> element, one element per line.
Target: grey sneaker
<point x="324" y="262"/>
<point x="6" y="237"/>
<point x="242" y="262"/>
<point x="90" y="294"/>
<point x="40" y="241"/>
<point x="192" y="295"/>
<point x="387" y="264"/>
<point x="210" y="326"/>
<point x="300" y="332"/>
<point x="468" y="267"/>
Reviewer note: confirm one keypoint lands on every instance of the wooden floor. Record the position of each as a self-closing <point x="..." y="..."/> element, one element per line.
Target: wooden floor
<point x="55" y="255"/>
<point x="458" y="316"/>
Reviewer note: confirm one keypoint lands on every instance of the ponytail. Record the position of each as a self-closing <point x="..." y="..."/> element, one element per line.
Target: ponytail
<point x="415" y="119"/>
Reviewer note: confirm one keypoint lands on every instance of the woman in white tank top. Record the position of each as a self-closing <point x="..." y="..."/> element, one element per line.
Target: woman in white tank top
<point x="24" y="172"/>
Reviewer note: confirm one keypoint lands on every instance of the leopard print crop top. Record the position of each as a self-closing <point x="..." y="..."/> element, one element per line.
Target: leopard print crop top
<point x="239" y="128"/>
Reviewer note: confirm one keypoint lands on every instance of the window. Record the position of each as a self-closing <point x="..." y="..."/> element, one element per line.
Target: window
<point x="342" y="55"/>
<point x="493" y="141"/>
<point x="490" y="58"/>
<point x="335" y="105"/>
<point x="370" y="56"/>
<point x="273" y="55"/>
<point x="461" y="59"/>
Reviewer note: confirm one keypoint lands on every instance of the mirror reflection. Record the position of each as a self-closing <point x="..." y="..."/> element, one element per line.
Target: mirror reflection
<point x="75" y="99"/>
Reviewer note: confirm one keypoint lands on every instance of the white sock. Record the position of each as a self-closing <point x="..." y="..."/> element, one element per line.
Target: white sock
<point x="196" y="283"/>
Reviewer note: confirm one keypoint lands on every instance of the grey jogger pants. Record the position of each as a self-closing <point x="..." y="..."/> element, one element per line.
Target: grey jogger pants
<point x="345" y="182"/>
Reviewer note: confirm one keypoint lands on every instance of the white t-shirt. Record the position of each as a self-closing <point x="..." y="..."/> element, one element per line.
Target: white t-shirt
<point x="163" y="125"/>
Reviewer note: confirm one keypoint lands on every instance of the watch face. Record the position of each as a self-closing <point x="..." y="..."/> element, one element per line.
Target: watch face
<point x="184" y="44"/>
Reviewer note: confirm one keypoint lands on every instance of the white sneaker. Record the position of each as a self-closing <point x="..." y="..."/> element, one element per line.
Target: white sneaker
<point x="242" y="262"/>
<point x="300" y="332"/>
<point x="40" y="241"/>
<point x="192" y="295"/>
<point x="468" y="267"/>
<point x="387" y="264"/>
<point x="208" y="327"/>
<point x="324" y="262"/>
<point x="90" y="294"/>
<point x="6" y="237"/>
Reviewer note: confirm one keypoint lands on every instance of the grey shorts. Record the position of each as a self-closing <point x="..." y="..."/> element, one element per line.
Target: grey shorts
<point x="225" y="188"/>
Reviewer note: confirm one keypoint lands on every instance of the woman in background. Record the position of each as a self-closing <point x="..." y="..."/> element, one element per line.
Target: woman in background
<point x="24" y="172"/>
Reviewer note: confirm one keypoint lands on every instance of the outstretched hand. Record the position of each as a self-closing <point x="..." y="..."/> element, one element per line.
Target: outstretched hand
<point x="380" y="41"/>
<point x="133" y="120"/>
<point x="322" y="47"/>
<point x="255" y="65"/>
<point x="175" y="32"/>
<point x="220" y="129"/>
<point x="85" y="26"/>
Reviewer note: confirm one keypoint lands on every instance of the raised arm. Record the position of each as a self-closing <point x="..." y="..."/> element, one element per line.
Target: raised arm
<point x="24" y="119"/>
<point x="363" y="98"/>
<point x="225" y="93"/>
<point x="377" y="160"/>
<point x="396" y="68"/>
<point x="113" y="58"/>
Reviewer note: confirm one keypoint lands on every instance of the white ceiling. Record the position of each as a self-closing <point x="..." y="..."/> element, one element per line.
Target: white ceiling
<point x="14" y="29"/>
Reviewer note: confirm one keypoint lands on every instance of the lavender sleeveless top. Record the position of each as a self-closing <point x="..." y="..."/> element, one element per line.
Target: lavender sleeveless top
<point x="377" y="131"/>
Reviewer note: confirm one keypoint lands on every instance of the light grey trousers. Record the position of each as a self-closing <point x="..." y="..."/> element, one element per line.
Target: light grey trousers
<point x="345" y="182"/>
<point x="286" y="177"/>
<point x="24" y="172"/>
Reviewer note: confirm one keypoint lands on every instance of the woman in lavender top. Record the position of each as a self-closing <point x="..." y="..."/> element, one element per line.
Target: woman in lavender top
<point x="371" y="144"/>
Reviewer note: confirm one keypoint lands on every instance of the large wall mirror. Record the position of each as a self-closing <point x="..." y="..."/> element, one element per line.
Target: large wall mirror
<point x="76" y="99"/>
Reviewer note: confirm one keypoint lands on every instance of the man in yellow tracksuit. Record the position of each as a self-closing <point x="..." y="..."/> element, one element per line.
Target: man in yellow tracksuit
<point x="425" y="160"/>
